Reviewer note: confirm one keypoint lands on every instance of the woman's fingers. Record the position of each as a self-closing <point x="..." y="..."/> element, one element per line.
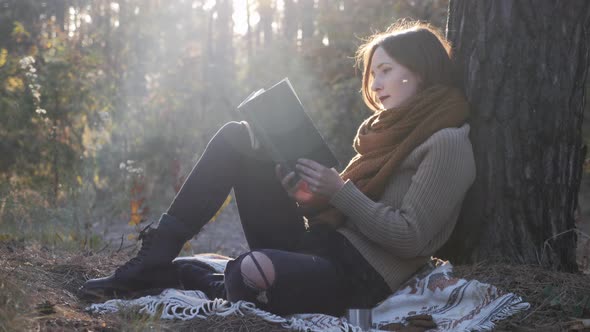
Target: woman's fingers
<point x="319" y="179"/>
<point x="311" y="164"/>
<point x="286" y="180"/>
<point x="311" y="172"/>
<point x="312" y="182"/>
<point x="315" y="186"/>
<point x="307" y="171"/>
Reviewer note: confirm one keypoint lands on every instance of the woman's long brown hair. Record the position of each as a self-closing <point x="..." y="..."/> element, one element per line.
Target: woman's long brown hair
<point x="416" y="45"/>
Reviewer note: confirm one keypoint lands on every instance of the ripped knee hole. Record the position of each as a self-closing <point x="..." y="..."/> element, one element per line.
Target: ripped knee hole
<point x="252" y="273"/>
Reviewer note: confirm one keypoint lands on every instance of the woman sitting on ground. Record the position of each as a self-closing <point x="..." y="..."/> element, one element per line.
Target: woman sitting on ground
<point x="374" y="224"/>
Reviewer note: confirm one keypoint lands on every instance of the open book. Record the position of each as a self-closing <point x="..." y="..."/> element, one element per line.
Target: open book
<point x="283" y="128"/>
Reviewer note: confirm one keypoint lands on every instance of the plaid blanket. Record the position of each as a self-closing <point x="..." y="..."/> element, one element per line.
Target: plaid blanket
<point x="455" y="304"/>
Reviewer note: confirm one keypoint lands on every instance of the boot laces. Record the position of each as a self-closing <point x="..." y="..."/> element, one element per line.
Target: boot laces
<point x="216" y="284"/>
<point x="146" y="236"/>
<point x="216" y="289"/>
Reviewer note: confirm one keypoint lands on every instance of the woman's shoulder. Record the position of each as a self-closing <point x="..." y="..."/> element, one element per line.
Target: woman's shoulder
<point x="446" y="144"/>
<point x="451" y="151"/>
<point x="449" y="138"/>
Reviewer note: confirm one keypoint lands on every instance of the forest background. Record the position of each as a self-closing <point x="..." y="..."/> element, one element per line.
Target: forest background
<point x="105" y="106"/>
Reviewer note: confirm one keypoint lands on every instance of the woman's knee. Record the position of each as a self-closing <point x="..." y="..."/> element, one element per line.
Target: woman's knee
<point x="258" y="270"/>
<point x="233" y="131"/>
<point x="240" y="131"/>
<point x="232" y="135"/>
<point x="247" y="280"/>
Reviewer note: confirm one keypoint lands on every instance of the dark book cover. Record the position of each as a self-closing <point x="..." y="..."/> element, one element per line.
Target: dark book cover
<point x="282" y="126"/>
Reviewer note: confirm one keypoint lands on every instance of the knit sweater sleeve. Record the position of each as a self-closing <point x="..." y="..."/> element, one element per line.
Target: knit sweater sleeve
<point x="439" y="185"/>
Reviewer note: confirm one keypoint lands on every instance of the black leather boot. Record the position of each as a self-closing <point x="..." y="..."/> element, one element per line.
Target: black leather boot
<point x="151" y="268"/>
<point x="195" y="277"/>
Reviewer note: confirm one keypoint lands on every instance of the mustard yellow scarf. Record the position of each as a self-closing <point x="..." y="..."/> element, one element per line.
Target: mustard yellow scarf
<point x="387" y="137"/>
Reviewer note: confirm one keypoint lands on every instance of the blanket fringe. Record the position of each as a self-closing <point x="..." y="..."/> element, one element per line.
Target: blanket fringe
<point x="187" y="305"/>
<point x="432" y="290"/>
<point x="515" y="306"/>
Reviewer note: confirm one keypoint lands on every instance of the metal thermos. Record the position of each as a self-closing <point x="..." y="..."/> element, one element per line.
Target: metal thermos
<point x="360" y="317"/>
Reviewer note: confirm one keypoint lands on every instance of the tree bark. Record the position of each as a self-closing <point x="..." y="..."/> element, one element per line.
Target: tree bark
<point x="59" y="9"/>
<point x="266" y="12"/>
<point x="248" y="35"/>
<point x="290" y="19"/>
<point x="523" y="66"/>
<point x="307" y="20"/>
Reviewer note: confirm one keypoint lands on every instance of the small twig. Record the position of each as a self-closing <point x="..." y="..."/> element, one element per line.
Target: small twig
<point x="128" y="246"/>
<point x="103" y="248"/>
<point x="532" y="312"/>
<point x="579" y="232"/>
<point x="546" y="243"/>
<point x="547" y="300"/>
<point x="120" y="245"/>
<point x="11" y="270"/>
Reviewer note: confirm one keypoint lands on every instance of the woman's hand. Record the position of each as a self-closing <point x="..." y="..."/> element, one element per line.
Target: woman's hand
<point x="320" y="179"/>
<point x="298" y="191"/>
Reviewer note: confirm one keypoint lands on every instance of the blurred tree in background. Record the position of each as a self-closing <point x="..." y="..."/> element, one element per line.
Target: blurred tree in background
<point x="107" y="104"/>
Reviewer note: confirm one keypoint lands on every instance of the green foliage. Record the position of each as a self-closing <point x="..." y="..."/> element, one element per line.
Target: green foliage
<point x="27" y="214"/>
<point x="94" y="94"/>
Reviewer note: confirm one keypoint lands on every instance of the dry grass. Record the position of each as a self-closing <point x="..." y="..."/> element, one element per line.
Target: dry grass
<point x="13" y="312"/>
<point x="38" y="292"/>
<point x="556" y="298"/>
<point x="44" y="283"/>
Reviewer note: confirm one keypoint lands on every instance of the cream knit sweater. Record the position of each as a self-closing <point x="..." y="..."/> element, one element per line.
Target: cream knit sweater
<point x="418" y="209"/>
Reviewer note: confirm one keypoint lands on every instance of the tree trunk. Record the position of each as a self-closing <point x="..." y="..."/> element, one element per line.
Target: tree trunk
<point x="523" y="65"/>
<point x="222" y="77"/>
<point x="265" y="11"/>
<point x="59" y="9"/>
<point x="224" y="29"/>
<point x="307" y="20"/>
<point x="248" y="37"/>
<point x="290" y="18"/>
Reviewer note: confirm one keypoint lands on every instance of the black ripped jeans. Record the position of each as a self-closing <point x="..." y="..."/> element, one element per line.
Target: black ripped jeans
<point x="316" y="270"/>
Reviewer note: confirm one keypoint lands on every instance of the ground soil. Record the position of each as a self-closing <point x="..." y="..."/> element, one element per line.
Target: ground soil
<point x="38" y="286"/>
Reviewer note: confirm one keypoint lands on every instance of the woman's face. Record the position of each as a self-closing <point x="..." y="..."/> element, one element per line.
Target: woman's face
<point x="391" y="83"/>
